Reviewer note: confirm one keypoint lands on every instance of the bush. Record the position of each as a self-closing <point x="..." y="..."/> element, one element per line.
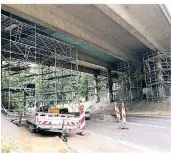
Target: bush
<point x="6" y="150"/>
<point x="19" y="108"/>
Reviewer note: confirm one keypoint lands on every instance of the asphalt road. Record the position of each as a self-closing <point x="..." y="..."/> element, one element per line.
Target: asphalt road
<point x="144" y="132"/>
<point x="153" y="121"/>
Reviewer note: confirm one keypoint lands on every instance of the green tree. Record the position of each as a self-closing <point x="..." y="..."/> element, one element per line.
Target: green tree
<point x="84" y="86"/>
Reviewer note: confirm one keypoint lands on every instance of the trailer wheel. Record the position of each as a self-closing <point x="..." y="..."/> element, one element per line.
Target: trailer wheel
<point x="64" y="138"/>
<point x="27" y="123"/>
<point x="31" y="128"/>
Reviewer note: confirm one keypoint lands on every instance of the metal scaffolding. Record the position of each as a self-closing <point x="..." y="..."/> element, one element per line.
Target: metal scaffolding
<point x="124" y="72"/>
<point x="115" y="90"/>
<point x="98" y="86"/>
<point x="129" y="82"/>
<point x="92" y="88"/>
<point x="34" y="66"/>
<point x="157" y="69"/>
<point x="103" y="85"/>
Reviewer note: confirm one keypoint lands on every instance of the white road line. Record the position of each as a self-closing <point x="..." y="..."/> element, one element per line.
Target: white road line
<point x="156" y="126"/>
<point x="140" y="148"/>
<point x="150" y="118"/>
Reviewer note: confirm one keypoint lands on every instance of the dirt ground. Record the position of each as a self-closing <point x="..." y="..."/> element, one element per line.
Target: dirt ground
<point x="20" y="139"/>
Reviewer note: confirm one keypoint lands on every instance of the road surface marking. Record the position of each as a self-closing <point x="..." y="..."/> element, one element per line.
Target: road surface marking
<point x="165" y="119"/>
<point x="140" y="148"/>
<point x="156" y="126"/>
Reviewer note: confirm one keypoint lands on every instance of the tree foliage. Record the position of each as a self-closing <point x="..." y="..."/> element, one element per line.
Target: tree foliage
<point x="65" y="88"/>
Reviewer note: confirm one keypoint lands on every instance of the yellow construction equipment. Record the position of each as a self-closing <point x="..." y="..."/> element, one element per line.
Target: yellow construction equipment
<point x="58" y="110"/>
<point x="53" y="110"/>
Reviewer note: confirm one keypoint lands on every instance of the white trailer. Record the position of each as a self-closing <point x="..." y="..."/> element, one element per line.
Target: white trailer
<point x="63" y="123"/>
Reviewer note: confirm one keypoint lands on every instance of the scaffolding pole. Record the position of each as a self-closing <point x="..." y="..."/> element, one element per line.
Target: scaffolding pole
<point x="157" y="69"/>
<point x="36" y="65"/>
<point x="129" y="82"/>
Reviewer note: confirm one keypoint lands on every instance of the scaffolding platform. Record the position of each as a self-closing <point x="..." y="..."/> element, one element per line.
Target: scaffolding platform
<point x="30" y="56"/>
<point x="157" y="69"/>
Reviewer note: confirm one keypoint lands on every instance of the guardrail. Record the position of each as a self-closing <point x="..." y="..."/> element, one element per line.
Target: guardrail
<point x="12" y="114"/>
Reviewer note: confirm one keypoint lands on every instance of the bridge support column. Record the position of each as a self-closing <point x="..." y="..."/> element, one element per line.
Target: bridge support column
<point x="160" y="78"/>
<point x="110" y="85"/>
<point x="24" y="100"/>
<point x="96" y="88"/>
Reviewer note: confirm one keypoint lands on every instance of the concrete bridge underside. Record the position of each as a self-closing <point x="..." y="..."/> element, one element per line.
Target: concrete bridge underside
<point x="104" y="34"/>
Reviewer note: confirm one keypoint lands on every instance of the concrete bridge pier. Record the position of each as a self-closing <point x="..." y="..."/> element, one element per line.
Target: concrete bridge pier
<point x="110" y="85"/>
<point x="96" y="88"/>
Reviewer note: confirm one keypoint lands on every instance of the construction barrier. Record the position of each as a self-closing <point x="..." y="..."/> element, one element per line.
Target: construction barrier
<point x="82" y="122"/>
<point x="82" y="117"/>
<point x="122" y="127"/>
<point x="117" y="112"/>
<point x="123" y="114"/>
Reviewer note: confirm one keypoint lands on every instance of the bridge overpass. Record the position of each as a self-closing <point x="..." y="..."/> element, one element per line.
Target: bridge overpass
<point x="104" y="34"/>
<point x="49" y="36"/>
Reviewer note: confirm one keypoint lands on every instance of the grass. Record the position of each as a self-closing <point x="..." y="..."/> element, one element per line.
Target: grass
<point x="6" y="150"/>
<point x="7" y="146"/>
